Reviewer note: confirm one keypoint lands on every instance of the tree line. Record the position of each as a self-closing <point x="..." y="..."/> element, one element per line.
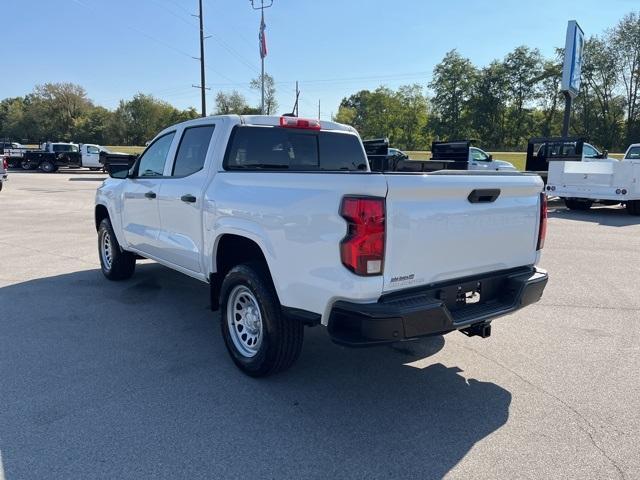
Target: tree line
<point x="64" y="112"/>
<point x="512" y="99"/>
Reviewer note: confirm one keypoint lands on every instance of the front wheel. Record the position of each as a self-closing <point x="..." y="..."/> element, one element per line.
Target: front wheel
<point x="578" y="203"/>
<point x="259" y="338"/>
<point x="116" y="264"/>
<point x="26" y="165"/>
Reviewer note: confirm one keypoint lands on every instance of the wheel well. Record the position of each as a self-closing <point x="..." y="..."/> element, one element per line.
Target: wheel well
<point x="100" y="214"/>
<point x="233" y="250"/>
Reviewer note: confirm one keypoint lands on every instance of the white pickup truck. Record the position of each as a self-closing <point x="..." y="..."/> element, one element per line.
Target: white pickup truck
<point x="607" y="181"/>
<point x="285" y="220"/>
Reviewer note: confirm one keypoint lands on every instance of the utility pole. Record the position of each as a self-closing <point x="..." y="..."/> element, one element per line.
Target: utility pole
<point x="262" y="44"/>
<point x="203" y="85"/>
<point x="318" y="109"/>
<point x="295" y="108"/>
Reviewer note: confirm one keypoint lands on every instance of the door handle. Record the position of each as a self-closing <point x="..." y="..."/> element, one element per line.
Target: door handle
<point x="188" y="198"/>
<point x="150" y="195"/>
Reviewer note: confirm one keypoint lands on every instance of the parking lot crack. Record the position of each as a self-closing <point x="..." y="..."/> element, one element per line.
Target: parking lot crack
<point x="59" y="255"/>
<point x="588" y="431"/>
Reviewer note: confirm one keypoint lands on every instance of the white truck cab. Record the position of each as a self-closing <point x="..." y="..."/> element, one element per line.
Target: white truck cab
<point x="285" y="220"/>
<point x="91" y="155"/>
<point x="481" y="160"/>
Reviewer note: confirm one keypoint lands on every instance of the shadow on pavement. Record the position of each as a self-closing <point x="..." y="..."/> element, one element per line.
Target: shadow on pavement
<point x="132" y="380"/>
<point x="611" y="216"/>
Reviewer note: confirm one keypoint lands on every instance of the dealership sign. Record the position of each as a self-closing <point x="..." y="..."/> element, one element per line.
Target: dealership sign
<point x="573" y="50"/>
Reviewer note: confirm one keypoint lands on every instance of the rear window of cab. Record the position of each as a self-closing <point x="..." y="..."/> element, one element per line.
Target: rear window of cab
<point x="289" y="149"/>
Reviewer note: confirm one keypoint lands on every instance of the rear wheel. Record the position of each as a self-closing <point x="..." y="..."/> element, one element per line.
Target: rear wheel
<point x="48" y="166"/>
<point x="259" y="338"/>
<point x="578" y="203"/>
<point x="26" y="165"/>
<point x="116" y="264"/>
<point x="633" y="207"/>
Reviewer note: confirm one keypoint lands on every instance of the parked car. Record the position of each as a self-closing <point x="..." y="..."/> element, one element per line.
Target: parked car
<point x="4" y="166"/>
<point x="582" y="183"/>
<point x="289" y="226"/>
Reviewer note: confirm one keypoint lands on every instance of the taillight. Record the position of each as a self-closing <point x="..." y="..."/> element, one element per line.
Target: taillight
<point x="362" y="250"/>
<point x="542" y="232"/>
<point x="295" y="122"/>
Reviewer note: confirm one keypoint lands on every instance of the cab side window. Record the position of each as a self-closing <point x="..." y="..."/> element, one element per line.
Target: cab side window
<point x="151" y="164"/>
<point x="589" y="151"/>
<point x="192" y="150"/>
<point x="479" y="155"/>
<point x="93" y="149"/>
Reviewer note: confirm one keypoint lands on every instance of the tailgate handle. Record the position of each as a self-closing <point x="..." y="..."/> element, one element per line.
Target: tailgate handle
<point x="484" y="195"/>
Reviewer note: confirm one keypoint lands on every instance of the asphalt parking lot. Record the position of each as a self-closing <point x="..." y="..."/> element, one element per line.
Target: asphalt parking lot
<point x="132" y="380"/>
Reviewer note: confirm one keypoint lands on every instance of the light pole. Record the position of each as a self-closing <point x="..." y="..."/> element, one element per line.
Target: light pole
<point x="262" y="44"/>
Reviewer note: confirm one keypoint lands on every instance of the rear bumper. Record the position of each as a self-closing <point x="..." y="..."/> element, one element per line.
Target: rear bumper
<point x="435" y="309"/>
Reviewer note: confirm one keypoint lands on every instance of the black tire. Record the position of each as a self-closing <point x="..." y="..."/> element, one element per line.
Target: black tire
<point x="119" y="264"/>
<point x="26" y="165"/>
<point x="633" y="207"/>
<point x="578" y="204"/>
<point x="280" y="338"/>
<point x="1" y="183"/>
<point x="48" y="166"/>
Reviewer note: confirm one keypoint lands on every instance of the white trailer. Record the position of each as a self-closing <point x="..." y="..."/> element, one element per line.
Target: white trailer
<point x="581" y="184"/>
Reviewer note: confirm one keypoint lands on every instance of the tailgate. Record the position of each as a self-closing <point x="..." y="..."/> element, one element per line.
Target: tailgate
<point x="435" y="233"/>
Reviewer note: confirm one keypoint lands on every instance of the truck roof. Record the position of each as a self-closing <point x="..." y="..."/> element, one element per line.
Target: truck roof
<point x="265" y="120"/>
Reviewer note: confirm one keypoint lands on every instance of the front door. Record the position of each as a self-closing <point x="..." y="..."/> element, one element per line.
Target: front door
<point x="181" y="197"/>
<point x="140" y="215"/>
<point x="91" y="156"/>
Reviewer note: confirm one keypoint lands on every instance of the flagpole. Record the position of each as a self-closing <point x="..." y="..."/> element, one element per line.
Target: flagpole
<point x="263" y="47"/>
<point x="262" y="60"/>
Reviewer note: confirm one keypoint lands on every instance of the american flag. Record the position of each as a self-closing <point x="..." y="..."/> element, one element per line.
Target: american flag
<point x="262" y="39"/>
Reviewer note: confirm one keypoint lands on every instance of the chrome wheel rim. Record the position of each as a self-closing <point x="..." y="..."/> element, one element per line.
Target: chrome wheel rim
<point x="244" y="321"/>
<point x="106" y="250"/>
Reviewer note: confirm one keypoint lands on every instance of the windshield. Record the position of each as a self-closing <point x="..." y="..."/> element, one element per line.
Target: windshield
<point x="633" y="154"/>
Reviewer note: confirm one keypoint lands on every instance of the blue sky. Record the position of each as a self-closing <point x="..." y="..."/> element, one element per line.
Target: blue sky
<point x="115" y="48"/>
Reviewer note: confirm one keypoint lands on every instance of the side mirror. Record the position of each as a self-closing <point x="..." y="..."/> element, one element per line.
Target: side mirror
<point x="490" y="157"/>
<point x="605" y="154"/>
<point x="118" y="170"/>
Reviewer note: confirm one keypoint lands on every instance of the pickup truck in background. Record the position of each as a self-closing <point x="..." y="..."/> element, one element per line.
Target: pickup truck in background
<point x="286" y="221"/>
<point x="48" y="158"/>
<point x="582" y="183"/>
<point x="543" y="150"/>
<point x="444" y="156"/>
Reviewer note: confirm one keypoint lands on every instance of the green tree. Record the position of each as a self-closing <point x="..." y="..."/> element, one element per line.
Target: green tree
<point x="488" y="105"/>
<point x="233" y="102"/>
<point x="524" y="70"/>
<point x="270" y="102"/>
<point x="625" y="39"/>
<point x="452" y="84"/>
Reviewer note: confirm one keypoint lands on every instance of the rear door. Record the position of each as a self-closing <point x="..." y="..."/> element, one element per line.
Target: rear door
<point x="180" y="198"/>
<point x="437" y="230"/>
<point x="140" y="216"/>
